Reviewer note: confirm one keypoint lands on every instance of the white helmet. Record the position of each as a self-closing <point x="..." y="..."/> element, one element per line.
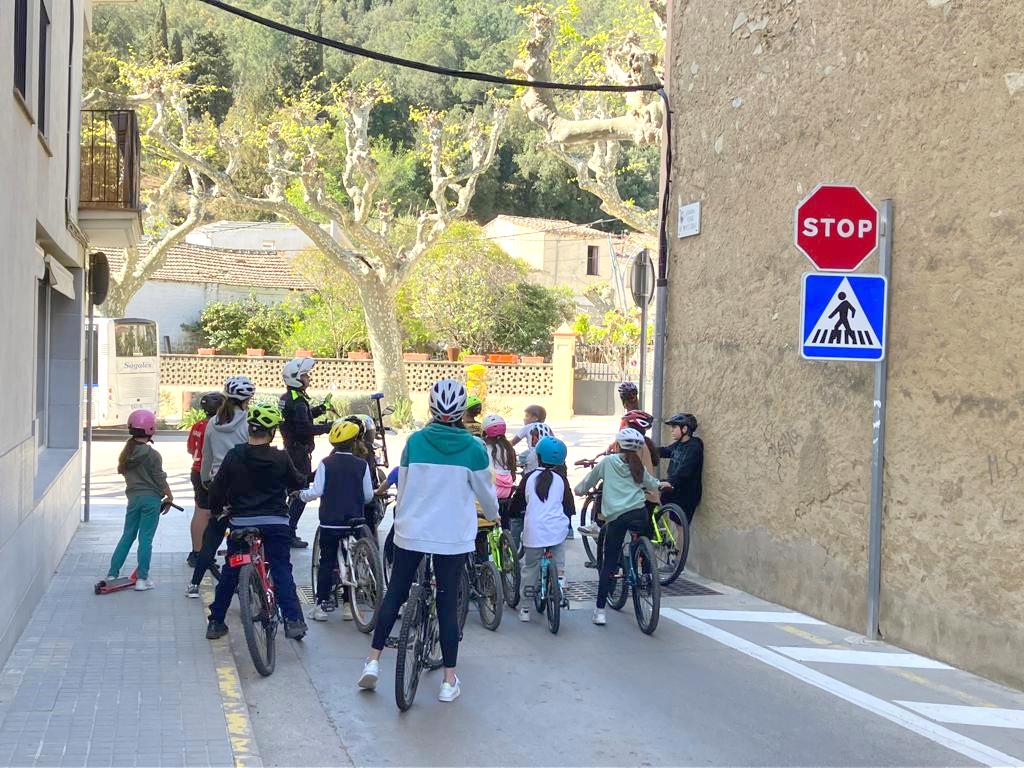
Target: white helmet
<point x="629" y="439"/>
<point x="293" y="369"/>
<point x="448" y="401"/>
<point x="239" y="388"/>
<point x="368" y="423"/>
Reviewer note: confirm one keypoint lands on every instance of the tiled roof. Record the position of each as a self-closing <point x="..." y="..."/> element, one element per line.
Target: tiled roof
<point x="188" y="263"/>
<point x="556" y="226"/>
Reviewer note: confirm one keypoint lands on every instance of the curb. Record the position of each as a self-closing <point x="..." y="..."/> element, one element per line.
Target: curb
<point x="241" y="736"/>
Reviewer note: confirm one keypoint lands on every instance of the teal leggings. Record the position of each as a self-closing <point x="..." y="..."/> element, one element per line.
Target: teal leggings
<point x="141" y="520"/>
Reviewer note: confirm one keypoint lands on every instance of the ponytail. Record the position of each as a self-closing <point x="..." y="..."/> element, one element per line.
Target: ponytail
<point x="226" y="412"/>
<point x="503" y="453"/>
<point x="636" y="465"/>
<point x="126" y="453"/>
<point x="544" y="483"/>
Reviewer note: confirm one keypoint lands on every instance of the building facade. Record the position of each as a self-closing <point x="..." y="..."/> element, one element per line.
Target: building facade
<point x="46" y="243"/>
<point x="921" y="102"/>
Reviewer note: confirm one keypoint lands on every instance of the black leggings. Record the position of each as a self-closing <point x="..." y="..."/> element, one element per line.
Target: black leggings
<point x="213" y="536"/>
<point x="447" y="569"/>
<point x="614" y="534"/>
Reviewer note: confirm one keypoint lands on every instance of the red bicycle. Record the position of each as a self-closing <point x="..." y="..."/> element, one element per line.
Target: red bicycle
<point x="257" y="600"/>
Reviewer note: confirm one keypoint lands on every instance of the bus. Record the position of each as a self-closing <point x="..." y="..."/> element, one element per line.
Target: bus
<point x="125" y="372"/>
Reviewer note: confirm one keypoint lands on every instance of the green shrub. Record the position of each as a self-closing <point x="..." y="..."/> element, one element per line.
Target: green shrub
<point x="190" y="418"/>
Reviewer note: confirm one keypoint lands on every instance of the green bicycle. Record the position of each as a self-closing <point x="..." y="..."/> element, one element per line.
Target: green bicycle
<point x="506" y="560"/>
<point x="671" y="541"/>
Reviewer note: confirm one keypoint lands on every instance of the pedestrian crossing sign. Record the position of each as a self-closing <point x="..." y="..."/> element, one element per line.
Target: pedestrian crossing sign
<point x="843" y="317"/>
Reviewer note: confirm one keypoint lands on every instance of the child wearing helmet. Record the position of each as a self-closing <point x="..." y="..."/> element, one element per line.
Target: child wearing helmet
<point x="503" y="462"/>
<point x="686" y="464"/>
<point x="544" y="498"/>
<point x="474" y="407"/>
<point x="148" y="495"/>
<point x="252" y="484"/>
<point x="342" y="483"/>
<point x="624" y="482"/>
<point x="209" y="404"/>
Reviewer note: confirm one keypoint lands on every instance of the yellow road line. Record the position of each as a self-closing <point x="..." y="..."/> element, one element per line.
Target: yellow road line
<point x="967" y="698"/>
<point x="804" y="634"/>
<point x="236" y="711"/>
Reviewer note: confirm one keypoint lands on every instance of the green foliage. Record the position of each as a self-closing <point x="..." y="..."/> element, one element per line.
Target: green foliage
<point x="616" y="339"/>
<point x="528" y="316"/>
<point x="234" y="326"/>
<point x="330" y="321"/>
<point x="190" y="418"/>
<point x="401" y="417"/>
<point x="209" y="68"/>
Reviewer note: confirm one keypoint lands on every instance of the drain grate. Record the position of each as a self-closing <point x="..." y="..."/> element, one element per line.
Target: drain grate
<point x="587" y="590"/>
<point x="306" y="595"/>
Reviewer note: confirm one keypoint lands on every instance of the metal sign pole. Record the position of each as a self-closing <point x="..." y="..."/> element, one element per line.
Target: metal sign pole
<point x="643" y="333"/>
<point x="878" y="444"/>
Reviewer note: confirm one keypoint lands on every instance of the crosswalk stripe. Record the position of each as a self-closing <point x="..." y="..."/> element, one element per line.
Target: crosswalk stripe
<point x="862" y="658"/>
<point x="961" y="714"/>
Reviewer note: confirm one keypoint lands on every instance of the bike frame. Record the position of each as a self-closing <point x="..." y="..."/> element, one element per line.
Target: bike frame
<point x="545" y="564"/>
<point x="494" y="544"/>
<point x="662" y="530"/>
<point x="256" y="558"/>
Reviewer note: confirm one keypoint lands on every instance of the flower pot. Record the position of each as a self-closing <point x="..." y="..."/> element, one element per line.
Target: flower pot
<point x="453" y="353"/>
<point x="503" y="358"/>
<point x="304" y="353"/>
<point x="206" y="351"/>
<point x="475" y="359"/>
<point x="251" y="352"/>
<point x="528" y="360"/>
<point x="415" y="357"/>
<point x="358" y="354"/>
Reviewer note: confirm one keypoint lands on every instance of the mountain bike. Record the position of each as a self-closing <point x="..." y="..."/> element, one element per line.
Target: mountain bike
<point x="671" y="541"/>
<point x="506" y="560"/>
<point x="548" y="597"/>
<point x="257" y="600"/>
<point x="358" y="575"/>
<point x="484" y="586"/>
<point x="419" y="641"/>
<point x="589" y="514"/>
<point x="639" y="575"/>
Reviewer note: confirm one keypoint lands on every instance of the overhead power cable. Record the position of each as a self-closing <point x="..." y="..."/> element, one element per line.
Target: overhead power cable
<point x="424" y="67"/>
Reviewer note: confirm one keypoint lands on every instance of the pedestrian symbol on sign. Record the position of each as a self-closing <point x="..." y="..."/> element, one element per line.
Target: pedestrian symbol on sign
<point x="843" y="317"/>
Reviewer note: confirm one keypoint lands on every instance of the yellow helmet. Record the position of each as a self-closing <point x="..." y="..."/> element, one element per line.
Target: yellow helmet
<point x="343" y="431"/>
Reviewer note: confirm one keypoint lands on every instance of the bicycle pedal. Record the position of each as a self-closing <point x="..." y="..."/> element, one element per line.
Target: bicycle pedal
<point x="590" y="564"/>
<point x="391" y="642"/>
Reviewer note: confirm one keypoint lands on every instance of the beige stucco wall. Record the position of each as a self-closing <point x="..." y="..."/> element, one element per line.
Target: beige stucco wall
<point x="924" y="105"/>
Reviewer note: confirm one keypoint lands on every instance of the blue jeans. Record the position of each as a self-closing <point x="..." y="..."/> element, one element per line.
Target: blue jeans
<point x="140" y="521"/>
<point x="278" y="552"/>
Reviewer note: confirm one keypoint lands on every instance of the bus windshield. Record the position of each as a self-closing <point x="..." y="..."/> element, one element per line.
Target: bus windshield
<point x="135" y="339"/>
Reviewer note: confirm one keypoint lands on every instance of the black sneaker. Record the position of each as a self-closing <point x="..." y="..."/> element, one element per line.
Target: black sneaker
<point x="192" y="560"/>
<point x="295" y="630"/>
<point x="298" y="543"/>
<point x="216" y="629"/>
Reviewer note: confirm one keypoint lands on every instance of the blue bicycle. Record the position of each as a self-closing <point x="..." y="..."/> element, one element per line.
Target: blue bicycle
<point x="639" y="574"/>
<point x="548" y="597"/>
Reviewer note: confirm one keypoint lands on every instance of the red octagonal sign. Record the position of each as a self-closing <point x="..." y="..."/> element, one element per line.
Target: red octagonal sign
<point x="836" y="227"/>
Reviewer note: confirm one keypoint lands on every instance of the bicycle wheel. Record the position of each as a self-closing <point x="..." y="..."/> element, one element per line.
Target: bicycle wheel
<point x="410" y="655"/>
<point x="511" y="570"/>
<point x="315" y="566"/>
<point x="618" y="590"/>
<point x="589" y="515"/>
<point x="489" y="600"/>
<point x="367" y="591"/>
<point x="258" y="625"/>
<point x="462" y="596"/>
<point x="671" y="554"/>
<point x="388" y="555"/>
<point x="554" y="599"/>
<point x="647" y="589"/>
<point x="434" y="659"/>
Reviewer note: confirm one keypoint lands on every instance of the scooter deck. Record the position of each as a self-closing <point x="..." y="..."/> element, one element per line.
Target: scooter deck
<point x="106" y="586"/>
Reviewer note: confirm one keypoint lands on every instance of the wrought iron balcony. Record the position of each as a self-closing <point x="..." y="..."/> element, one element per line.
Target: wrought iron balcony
<point x="111" y="157"/>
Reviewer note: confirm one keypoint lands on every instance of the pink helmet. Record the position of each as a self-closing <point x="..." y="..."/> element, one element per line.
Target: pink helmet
<point x="142" y="423"/>
<point x="494" y="426"/>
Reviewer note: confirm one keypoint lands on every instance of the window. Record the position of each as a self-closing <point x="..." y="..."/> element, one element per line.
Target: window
<point x="135" y="340"/>
<point x="44" y="66"/>
<point x="593" y="256"/>
<point x="21" y="47"/>
<point x="42" y="359"/>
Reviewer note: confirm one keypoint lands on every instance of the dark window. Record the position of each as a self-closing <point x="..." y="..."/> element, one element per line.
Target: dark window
<point x="21" y="47"/>
<point x="42" y="358"/>
<point x="593" y="254"/>
<point x="44" y="66"/>
<point x="135" y="340"/>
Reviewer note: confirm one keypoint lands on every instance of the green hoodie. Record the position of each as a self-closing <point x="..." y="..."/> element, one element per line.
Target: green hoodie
<point x="144" y="473"/>
<point x="620" y="493"/>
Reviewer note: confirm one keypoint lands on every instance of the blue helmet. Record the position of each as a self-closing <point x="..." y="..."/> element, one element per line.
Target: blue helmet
<point x="551" y="451"/>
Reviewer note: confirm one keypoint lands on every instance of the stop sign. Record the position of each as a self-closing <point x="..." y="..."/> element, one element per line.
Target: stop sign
<point x="836" y="227"/>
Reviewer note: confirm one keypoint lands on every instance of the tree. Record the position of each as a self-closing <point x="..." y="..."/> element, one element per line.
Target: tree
<point x="209" y="68"/>
<point x="528" y="316"/>
<point x="615" y="340"/>
<point x="159" y="45"/>
<point x="303" y="143"/>
<point x="591" y="141"/>
<point x="235" y="326"/>
<point x="329" y="321"/>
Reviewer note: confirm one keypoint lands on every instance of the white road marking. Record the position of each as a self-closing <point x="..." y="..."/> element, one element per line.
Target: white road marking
<point x="768" y="617"/>
<point x="944" y="737"/>
<point x="960" y="714"/>
<point x="862" y="658"/>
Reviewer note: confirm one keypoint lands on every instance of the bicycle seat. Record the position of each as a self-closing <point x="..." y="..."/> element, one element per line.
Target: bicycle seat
<point x="241" y="534"/>
<point x="483" y="524"/>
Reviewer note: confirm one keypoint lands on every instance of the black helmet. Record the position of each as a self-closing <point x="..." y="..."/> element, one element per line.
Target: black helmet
<point x="211" y="402"/>
<point x="684" y="420"/>
<point x="628" y="389"/>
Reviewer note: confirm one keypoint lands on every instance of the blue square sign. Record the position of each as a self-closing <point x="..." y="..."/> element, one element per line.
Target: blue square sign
<point x="843" y="317"/>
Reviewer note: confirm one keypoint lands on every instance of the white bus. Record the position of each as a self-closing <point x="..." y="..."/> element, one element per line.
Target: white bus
<point x="125" y="374"/>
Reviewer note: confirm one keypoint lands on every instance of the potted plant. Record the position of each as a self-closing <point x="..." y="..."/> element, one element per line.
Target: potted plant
<point x="474" y="358"/>
<point x="304" y="353"/>
<point x="255" y="352"/>
<point x="531" y="360"/>
<point x="358" y="354"/>
<point x="503" y="357"/>
<point x="206" y="351"/>
<point x="453" y="350"/>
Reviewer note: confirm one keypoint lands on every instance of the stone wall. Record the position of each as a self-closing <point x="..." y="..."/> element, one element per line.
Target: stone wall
<point x="921" y="101"/>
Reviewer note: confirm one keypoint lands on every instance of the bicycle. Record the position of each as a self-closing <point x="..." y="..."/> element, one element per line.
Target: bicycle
<point x="506" y="560"/>
<point x="482" y="583"/>
<point x="639" y="576"/>
<point x="419" y="640"/>
<point x="671" y="541"/>
<point x="257" y="600"/>
<point x="548" y="597"/>
<point x="591" y="508"/>
<point x="359" y="573"/>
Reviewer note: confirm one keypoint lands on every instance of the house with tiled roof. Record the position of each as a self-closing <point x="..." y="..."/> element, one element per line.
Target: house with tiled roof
<point x="194" y="275"/>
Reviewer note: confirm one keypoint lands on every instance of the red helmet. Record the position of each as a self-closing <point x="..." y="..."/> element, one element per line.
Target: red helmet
<point x="639" y="420"/>
<point x="142" y="423"/>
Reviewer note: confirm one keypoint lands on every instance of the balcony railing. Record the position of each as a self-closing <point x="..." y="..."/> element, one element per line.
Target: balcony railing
<point x="111" y="158"/>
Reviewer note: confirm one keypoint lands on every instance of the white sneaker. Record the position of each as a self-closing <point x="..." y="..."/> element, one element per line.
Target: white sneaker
<point x="449" y="692"/>
<point x="371" y="671"/>
<point x="318" y="614"/>
<point x="346" y="612"/>
<point x="192" y="590"/>
<point x="143" y="584"/>
<point x="524" y="614"/>
<point x="589" y="530"/>
<point x="599" y="617"/>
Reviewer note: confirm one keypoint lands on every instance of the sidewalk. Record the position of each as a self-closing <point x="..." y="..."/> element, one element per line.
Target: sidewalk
<point x="126" y="679"/>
